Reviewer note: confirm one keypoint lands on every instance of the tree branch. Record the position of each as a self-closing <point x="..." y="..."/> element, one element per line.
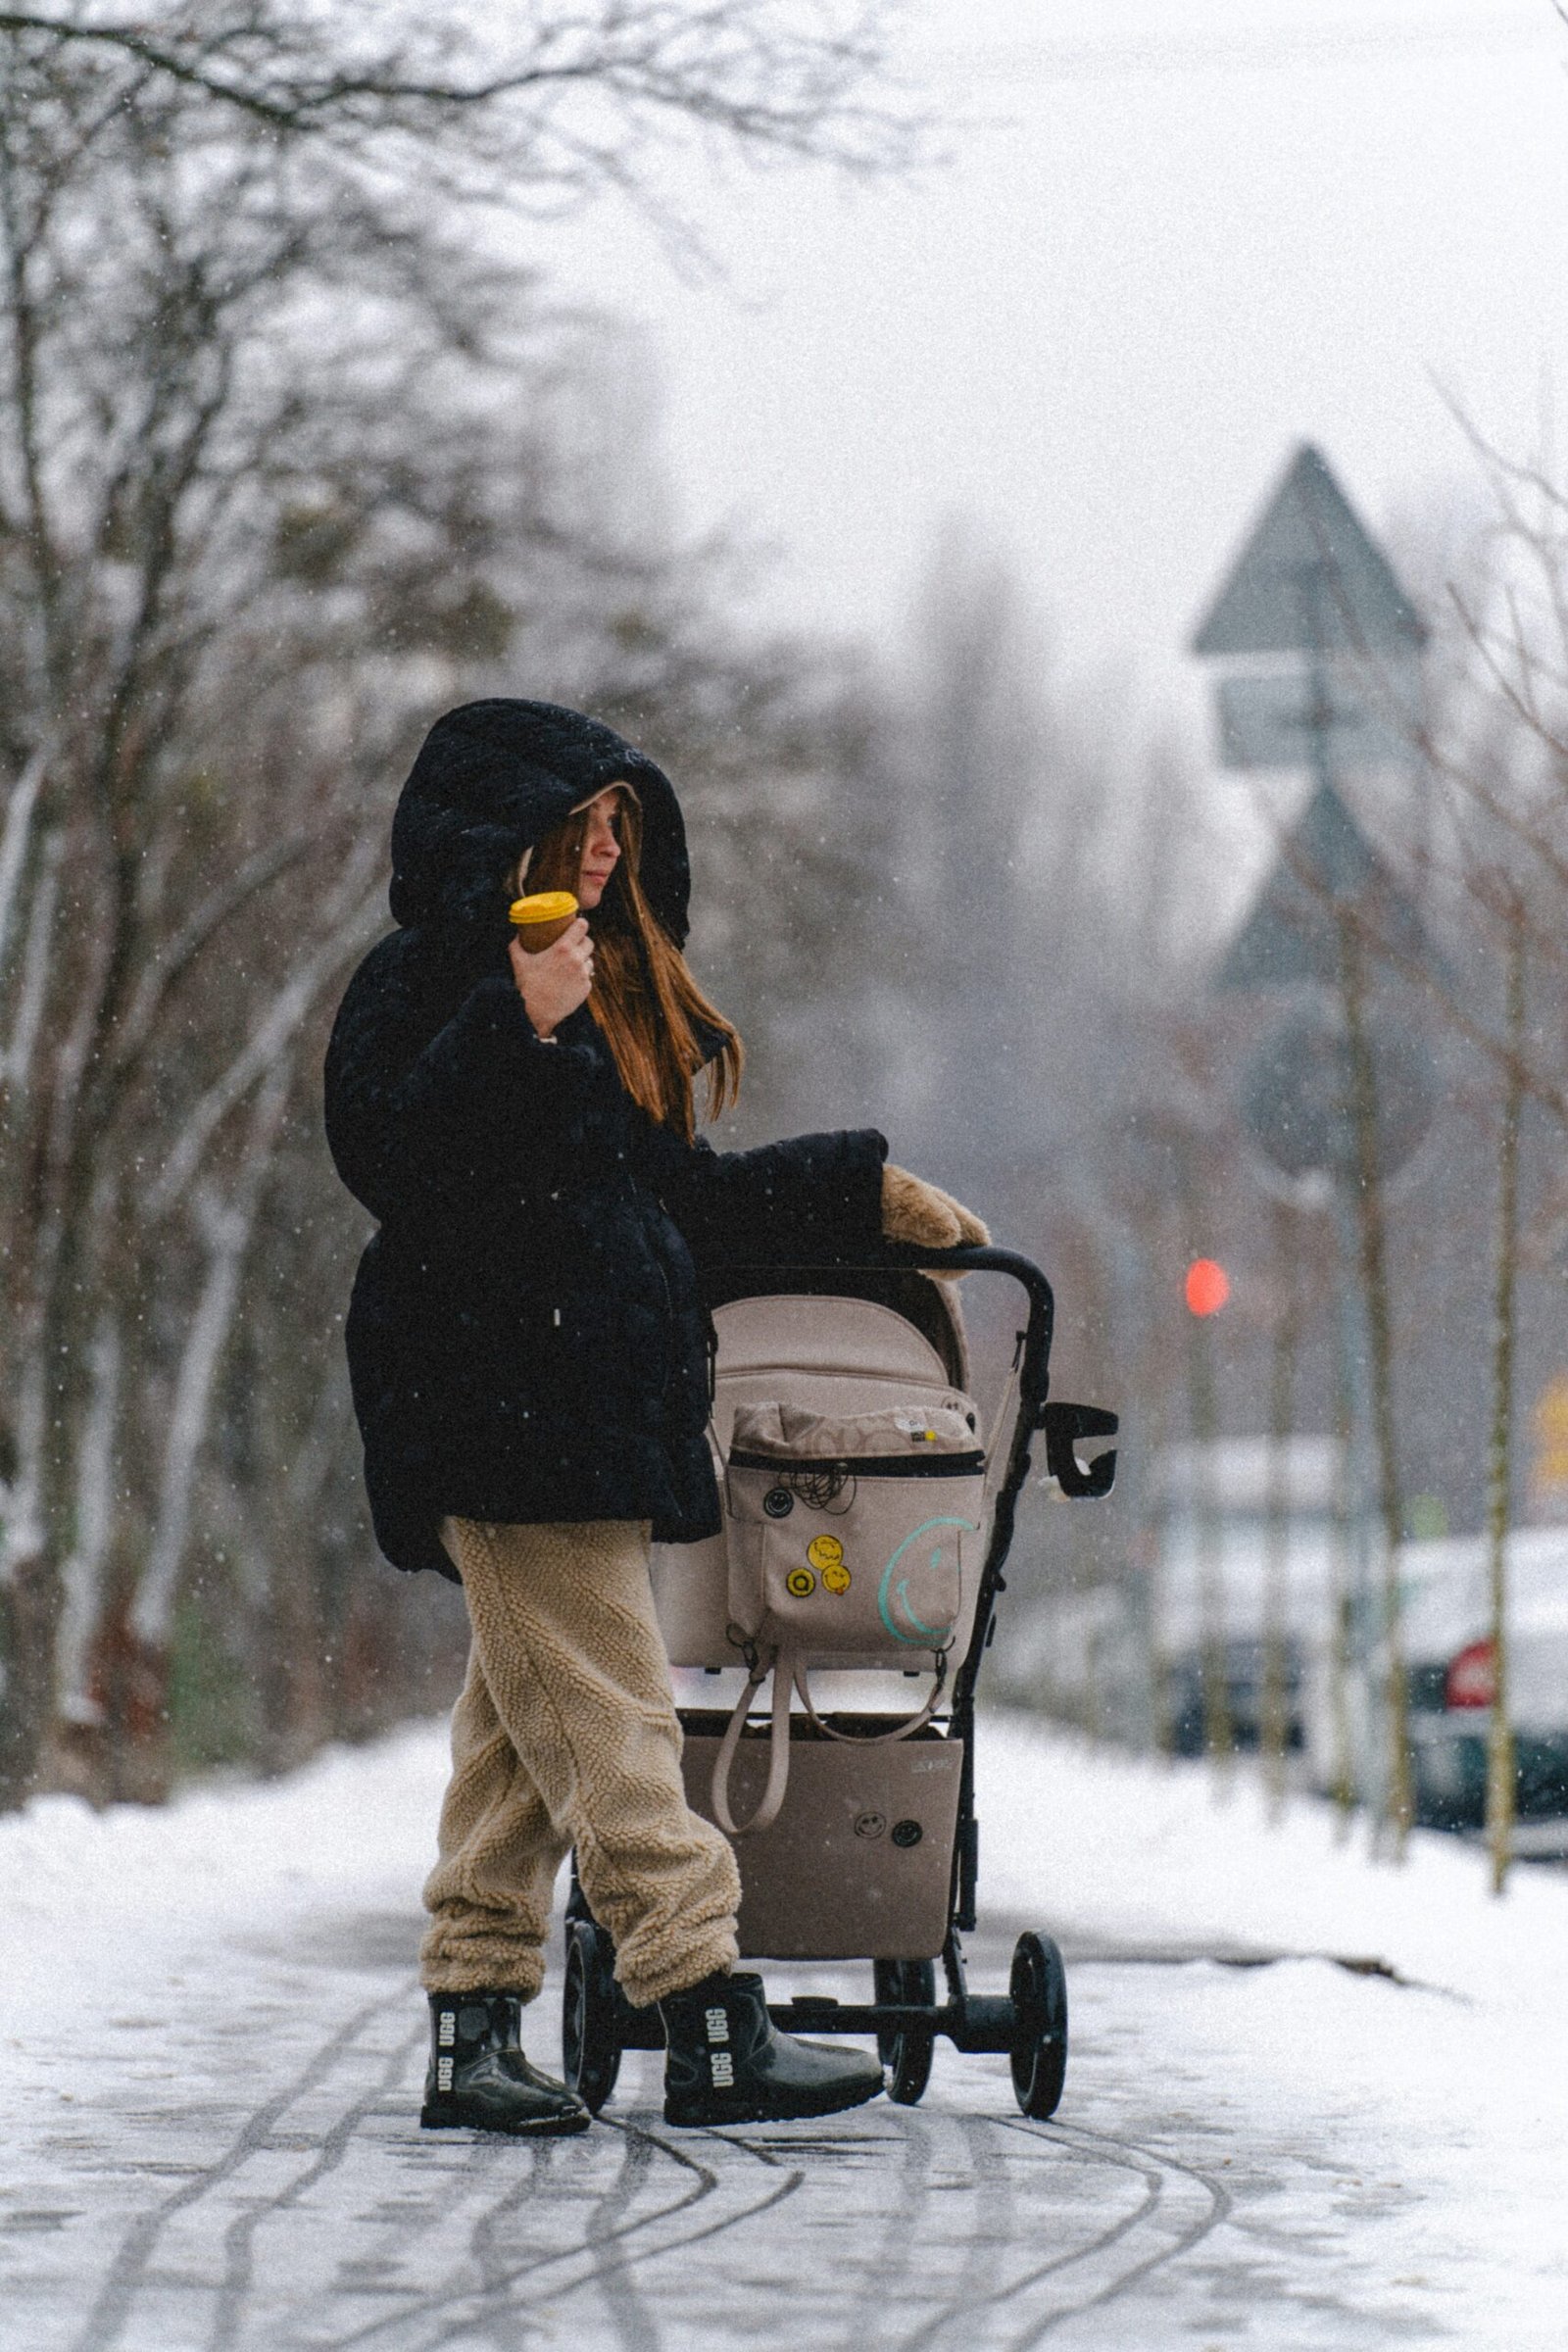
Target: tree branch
<point x="228" y="1225"/>
<point x="737" y="64"/>
<point x="267" y="1040"/>
<point x="19" y="805"/>
<point x="175" y="959"/>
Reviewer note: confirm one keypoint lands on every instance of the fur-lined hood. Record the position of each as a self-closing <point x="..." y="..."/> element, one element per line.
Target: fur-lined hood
<point x="493" y="779"/>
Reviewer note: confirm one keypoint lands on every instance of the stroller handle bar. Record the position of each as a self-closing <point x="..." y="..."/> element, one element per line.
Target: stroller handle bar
<point x="1060" y="1424"/>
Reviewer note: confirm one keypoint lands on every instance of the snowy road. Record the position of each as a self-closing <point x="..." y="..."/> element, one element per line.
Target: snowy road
<point x="216" y="2045"/>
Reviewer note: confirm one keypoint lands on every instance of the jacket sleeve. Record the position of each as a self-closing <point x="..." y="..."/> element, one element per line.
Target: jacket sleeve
<point x="418" y="1124"/>
<point x="814" y="1199"/>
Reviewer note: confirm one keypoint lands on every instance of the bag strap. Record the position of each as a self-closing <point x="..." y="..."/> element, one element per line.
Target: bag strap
<point x="778" y="1759"/>
<point x="902" y="1731"/>
<point x="789" y="1672"/>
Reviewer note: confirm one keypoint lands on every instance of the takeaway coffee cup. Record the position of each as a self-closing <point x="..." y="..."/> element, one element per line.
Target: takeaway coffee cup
<point x="540" y="920"/>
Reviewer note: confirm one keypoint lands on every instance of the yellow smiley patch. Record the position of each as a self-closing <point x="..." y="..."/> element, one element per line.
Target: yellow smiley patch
<point x="825" y="1551"/>
<point x="836" y="1579"/>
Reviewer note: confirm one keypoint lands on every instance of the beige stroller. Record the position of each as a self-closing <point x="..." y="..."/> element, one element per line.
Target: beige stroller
<point x="867" y="1521"/>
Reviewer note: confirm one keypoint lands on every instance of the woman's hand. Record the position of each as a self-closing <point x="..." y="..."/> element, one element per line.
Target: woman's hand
<point x="556" y="981"/>
<point x="915" y="1211"/>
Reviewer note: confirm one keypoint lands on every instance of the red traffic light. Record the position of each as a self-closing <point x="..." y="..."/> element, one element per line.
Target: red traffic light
<point x="1208" y="1285"/>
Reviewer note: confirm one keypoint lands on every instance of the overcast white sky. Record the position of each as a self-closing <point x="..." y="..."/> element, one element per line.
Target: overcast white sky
<point x="1173" y="240"/>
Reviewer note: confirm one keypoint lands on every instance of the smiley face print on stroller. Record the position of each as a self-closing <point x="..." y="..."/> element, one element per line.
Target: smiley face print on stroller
<point x="868" y="1515"/>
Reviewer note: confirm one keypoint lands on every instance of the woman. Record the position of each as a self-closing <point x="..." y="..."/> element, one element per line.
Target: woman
<point x="527" y="1349"/>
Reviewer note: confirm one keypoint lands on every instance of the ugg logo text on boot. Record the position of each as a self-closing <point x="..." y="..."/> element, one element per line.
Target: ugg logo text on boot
<point x="447" y="2031"/>
<point x="717" y="2025"/>
<point x="723" y="2068"/>
<point x="443" y="2072"/>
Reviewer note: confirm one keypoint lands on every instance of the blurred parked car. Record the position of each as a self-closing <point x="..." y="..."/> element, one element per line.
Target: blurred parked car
<point x="1245" y="1666"/>
<point x="1087" y="1652"/>
<point x="1450" y="1676"/>
<point x="1122" y="1653"/>
<point x="1220" y="1508"/>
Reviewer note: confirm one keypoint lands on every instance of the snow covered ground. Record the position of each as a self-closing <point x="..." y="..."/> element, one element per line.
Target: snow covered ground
<point x="214" y="2046"/>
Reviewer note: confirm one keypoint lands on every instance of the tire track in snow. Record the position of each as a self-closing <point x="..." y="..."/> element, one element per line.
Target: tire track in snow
<point x="992" y="2203"/>
<point x="551" y="2174"/>
<point x="461" y="2306"/>
<point x="1153" y="2168"/>
<point x="610" y="2256"/>
<point x="602" y="2266"/>
<point x="1164" y="2182"/>
<point x="968" y="2304"/>
<point x="637" y="2321"/>
<point x="634" y="2323"/>
<point x="905" y="2225"/>
<point x="619" y="2249"/>
<point x="615" y="2247"/>
<point x="902" y="2222"/>
<point x="115" y="2303"/>
<point x="600" y="2257"/>
<point x="486" y="2240"/>
<point x="239" y="2239"/>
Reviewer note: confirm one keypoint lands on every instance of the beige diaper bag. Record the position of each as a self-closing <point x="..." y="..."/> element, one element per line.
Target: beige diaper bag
<point x="852" y="1539"/>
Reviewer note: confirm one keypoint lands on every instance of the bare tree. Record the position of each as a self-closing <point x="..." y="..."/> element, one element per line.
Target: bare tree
<point x="283" y="460"/>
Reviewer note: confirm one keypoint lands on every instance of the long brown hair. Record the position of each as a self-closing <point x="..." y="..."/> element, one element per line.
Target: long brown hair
<point x="643" y="997"/>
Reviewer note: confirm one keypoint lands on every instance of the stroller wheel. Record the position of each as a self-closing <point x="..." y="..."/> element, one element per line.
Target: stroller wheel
<point x="590" y="2045"/>
<point x="906" y="2050"/>
<point x="1039" y="1989"/>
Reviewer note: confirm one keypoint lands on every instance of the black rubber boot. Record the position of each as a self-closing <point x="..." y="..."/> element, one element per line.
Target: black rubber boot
<point x="479" y="2079"/>
<point x="726" y="2064"/>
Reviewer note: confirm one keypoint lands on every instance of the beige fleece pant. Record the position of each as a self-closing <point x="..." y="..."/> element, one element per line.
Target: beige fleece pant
<point x="566" y="1734"/>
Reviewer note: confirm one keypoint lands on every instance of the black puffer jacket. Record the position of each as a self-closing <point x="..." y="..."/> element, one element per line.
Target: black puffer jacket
<point x="526" y="1339"/>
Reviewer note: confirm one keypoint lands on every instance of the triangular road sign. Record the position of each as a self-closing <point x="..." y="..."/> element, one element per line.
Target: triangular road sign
<point x="1310" y="579"/>
<point x="1292" y="933"/>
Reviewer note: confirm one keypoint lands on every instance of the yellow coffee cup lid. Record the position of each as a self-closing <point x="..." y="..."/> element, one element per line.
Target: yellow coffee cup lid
<point x="544" y="906"/>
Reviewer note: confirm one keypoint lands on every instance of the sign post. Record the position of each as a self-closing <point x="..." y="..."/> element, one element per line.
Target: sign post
<point x="1331" y="1097"/>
